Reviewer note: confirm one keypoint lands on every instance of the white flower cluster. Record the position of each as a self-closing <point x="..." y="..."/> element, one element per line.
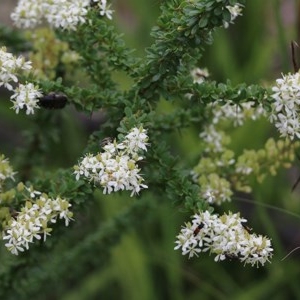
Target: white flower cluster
<point x="215" y="139"/>
<point x="117" y="167"/>
<point x="226" y="237"/>
<point x="215" y="189"/>
<point x="33" y="220"/>
<point x="286" y="105"/>
<point x="237" y="113"/>
<point x="25" y="95"/>
<point x="65" y="14"/>
<point x="235" y="11"/>
<point x="6" y="170"/>
<point x="10" y="66"/>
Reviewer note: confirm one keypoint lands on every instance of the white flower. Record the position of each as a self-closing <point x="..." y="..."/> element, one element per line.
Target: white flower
<point x="208" y="195"/>
<point x="6" y="170"/>
<point x="213" y="139"/>
<point x="104" y="8"/>
<point x="27" y="97"/>
<point x="136" y="139"/>
<point x="32" y="192"/>
<point x="235" y="11"/>
<point x="215" y="189"/>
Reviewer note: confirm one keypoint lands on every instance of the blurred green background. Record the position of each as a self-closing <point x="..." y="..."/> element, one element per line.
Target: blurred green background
<point x="143" y="264"/>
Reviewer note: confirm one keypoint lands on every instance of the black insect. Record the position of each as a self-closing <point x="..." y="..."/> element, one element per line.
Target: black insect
<point x="298" y="179"/>
<point x="13" y="213"/>
<point x="198" y="228"/>
<point x="93" y="3"/>
<point x="247" y="228"/>
<point x="53" y="101"/>
<point x="106" y="141"/>
<point x="294" y="58"/>
<point x="231" y="256"/>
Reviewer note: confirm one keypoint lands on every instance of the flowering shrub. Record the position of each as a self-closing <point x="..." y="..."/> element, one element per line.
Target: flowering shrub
<point x="74" y="58"/>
